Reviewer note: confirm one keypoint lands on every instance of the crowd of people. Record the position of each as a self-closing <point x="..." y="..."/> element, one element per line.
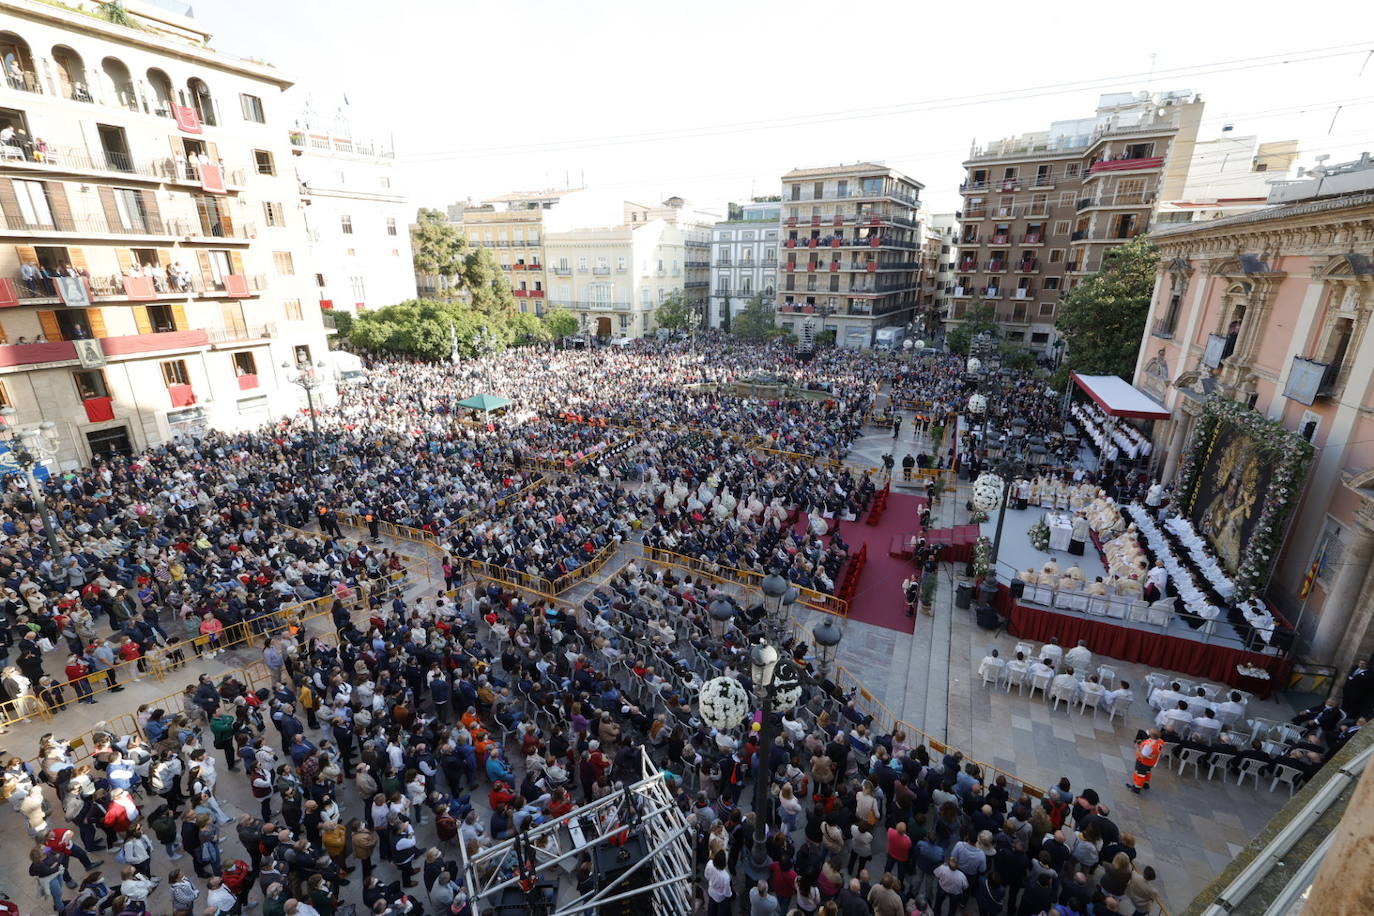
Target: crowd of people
<point x="413" y="725"/>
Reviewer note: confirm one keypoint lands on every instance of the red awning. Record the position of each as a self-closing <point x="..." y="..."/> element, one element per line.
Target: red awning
<point x="1119" y="398"/>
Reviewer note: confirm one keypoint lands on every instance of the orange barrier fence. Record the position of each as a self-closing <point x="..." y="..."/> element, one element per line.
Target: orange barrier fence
<point x="819" y="601"/>
<point x="163" y="658"/>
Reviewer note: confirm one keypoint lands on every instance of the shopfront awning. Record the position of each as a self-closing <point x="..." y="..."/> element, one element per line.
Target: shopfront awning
<point x="1119" y="398"/>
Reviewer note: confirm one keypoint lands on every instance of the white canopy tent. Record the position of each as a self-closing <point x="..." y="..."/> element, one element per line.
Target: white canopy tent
<point x="1119" y="398"/>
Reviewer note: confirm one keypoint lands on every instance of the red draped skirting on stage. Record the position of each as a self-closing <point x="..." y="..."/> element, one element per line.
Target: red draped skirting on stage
<point x="1158" y="650"/>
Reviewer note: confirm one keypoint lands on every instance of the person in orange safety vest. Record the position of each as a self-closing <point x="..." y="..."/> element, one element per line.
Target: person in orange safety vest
<point x="1148" y="749"/>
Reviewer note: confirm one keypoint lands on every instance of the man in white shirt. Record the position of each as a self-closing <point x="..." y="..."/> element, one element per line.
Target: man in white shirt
<point x="1233" y="710"/>
<point x="1041" y="670"/>
<point x="1122" y="694"/>
<point x="990" y="665"/>
<point x="1159" y="578"/>
<point x="1178" y="719"/>
<point x="1198" y="702"/>
<point x="1080" y="657"/>
<point x="1064" y="684"/>
<point x="1208" y="723"/>
<point x="1166" y="697"/>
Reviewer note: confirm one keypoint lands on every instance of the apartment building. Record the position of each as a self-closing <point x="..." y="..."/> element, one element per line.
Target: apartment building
<point x="614" y="278"/>
<point x="945" y="228"/>
<point x="696" y="225"/>
<point x="154" y="263"/>
<point x="850" y="250"/>
<point x="355" y="214"/>
<point x="744" y="258"/>
<point x="512" y="227"/>
<point x="1040" y="210"/>
<point x="1228" y="176"/>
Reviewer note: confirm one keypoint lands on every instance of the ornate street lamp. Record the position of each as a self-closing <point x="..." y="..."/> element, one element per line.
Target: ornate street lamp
<point x="722" y="613"/>
<point x="30" y="447"/>
<point x="308" y="379"/>
<point x="826" y="636"/>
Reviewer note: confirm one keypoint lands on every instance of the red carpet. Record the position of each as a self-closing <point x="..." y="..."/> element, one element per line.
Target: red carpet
<point x="879" y="600"/>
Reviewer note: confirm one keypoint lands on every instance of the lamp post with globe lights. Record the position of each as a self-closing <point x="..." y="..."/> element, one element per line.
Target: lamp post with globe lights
<point x="309" y="379"/>
<point x="777" y="688"/>
<point x="29" y="448"/>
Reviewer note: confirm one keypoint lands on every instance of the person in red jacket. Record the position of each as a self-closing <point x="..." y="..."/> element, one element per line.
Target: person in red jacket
<point x="76" y="672"/>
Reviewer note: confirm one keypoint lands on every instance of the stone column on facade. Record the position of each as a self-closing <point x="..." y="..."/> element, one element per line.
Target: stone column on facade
<point x="1343" y="599"/>
<point x="1178" y="441"/>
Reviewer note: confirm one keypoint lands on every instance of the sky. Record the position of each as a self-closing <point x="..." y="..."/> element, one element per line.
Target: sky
<point x="713" y="101"/>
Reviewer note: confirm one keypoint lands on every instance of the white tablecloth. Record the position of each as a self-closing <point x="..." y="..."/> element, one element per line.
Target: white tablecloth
<point x="1061" y="528"/>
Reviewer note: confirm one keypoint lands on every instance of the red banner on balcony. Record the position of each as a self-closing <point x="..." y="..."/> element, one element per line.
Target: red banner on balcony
<point x="188" y="119"/>
<point x="182" y="395"/>
<point x="236" y="286"/>
<point x="212" y="179"/>
<point x="8" y="297"/>
<point x="327" y="304"/>
<point x="536" y="294"/>
<point x="247" y="382"/>
<point x="98" y="410"/>
<point x="520" y="293"/>
<point x="1120" y="165"/>
<point x="140" y="288"/>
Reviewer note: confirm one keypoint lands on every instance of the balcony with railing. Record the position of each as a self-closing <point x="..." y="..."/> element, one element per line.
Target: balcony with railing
<point x="562" y="270"/>
<point x="1129" y="199"/>
<point x="995" y="266"/>
<point x="41" y="290"/>
<point x="976" y="213"/>
<point x="242" y="334"/>
<point x="1164" y="328"/>
<point x="991" y="292"/>
<point x="1028" y="266"/>
<point x="595" y="304"/>
<point x="602" y="270"/>
<point x="1131" y="164"/>
<point x="1032" y="238"/>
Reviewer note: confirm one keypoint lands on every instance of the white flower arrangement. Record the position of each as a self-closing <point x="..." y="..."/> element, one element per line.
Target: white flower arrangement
<point x="787" y="698"/>
<point x="977" y="404"/>
<point x="723" y="702"/>
<point x="1039" y="535"/>
<point x="987" y="492"/>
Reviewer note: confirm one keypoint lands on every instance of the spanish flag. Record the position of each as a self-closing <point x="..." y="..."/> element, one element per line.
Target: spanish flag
<point x="1311" y="576"/>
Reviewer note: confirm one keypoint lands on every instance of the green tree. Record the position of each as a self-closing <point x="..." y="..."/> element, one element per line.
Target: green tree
<point x="1103" y="318"/>
<point x="426" y="328"/>
<point x="673" y="314"/>
<point x="980" y="316"/>
<point x="561" y="323"/>
<point x="439" y="249"/>
<point x="343" y="321"/>
<point x="525" y="328"/>
<point x="755" y="321"/>
<point x="1015" y="356"/>
<point x="486" y="285"/>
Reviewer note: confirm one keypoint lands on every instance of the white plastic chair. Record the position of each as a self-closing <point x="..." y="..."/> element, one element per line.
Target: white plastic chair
<point x="1025" y="649"/>
<point x="1219" y="762"/>
<point x="1041" y="681"/>
<point x="1089" y="698"/>
<point x="1286" y="775"/>
<point x="992" y="673"/>
<point x="1186" y="757"/>
<point x="1249" y="767"/>
<point x="1016" y="676"/>
<point x="1159" y="614"/>
<point x="1062" y="692"/>
<point x="1156" y="680"/>
<point x="1106" y="674"/>
<point x="1228" y="717"/>
<point x="1119" y="707"/>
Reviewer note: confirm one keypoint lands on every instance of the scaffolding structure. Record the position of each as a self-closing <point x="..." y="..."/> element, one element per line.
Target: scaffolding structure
<point x="638" y="841"/>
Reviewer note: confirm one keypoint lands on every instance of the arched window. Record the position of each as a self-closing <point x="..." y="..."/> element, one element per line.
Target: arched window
<point x="201" y="100"/>
<point x="160" y="86"/>
<point x="71" y="74"/>
<point x="120" y="83"/>
<point x="17" y="62"/>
